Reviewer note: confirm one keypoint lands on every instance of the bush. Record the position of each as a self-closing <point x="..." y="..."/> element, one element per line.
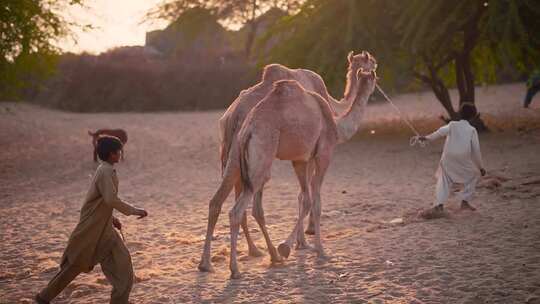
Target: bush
<point x="136" y="81"/>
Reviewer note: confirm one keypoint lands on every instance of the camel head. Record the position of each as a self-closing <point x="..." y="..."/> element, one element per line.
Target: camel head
<point x="366" y="82"/>
<point x="364" y="60"/>
<point x="94" y="136"/>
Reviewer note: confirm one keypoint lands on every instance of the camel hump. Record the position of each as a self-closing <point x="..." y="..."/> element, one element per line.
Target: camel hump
<point x="274" y="72"/>
<point x="288" y="87"/>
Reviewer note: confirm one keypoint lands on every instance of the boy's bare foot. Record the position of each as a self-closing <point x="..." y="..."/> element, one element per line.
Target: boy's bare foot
<point x="40" y="300"/>
<point x="466" y="206"/>
<point x="433" y="213"/>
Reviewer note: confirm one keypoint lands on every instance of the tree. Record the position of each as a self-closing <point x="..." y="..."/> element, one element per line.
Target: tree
<point x="230" y="12"/>
<point x="28" y="29"/>
<point x="321" y="35"/>
<point x="441" y="43"/>
<point x="461" y="41"/>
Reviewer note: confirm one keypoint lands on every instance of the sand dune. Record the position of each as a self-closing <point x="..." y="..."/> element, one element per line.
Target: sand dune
<point x="380" y="252"/>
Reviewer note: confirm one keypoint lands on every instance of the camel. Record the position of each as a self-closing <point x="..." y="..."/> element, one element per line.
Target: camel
<point x="121" y="134"/>
<point x="232" y="120"/>
<point x="294" y="124"/>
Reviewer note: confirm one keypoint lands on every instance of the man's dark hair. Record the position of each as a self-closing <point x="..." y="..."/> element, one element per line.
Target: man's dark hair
<point x="468" y="111"/>
<point x="107" y="145"/>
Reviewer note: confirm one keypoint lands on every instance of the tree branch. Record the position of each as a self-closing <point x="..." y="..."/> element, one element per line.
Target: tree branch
<point x="422" y="77"/>
<point x="446" y="60"/>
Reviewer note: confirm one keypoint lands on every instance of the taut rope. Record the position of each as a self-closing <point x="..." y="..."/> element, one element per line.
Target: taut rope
<point x="416" y="138"/>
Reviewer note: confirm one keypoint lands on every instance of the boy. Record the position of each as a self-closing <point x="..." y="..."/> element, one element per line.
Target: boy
<point x="94" y="240"/>
<point x="533" y="86"/>
<point x="460" y="163"/>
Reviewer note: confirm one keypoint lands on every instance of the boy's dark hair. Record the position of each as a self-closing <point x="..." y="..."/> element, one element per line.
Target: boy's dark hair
<point x="107" y="145"/>
<point x="468" y="111"/>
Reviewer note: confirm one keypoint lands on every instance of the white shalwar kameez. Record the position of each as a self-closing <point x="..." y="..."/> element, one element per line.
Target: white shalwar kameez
<point x="460" y="162"/>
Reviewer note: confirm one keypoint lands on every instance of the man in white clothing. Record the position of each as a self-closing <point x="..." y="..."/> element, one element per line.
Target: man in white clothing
<point x="461" y="161"/>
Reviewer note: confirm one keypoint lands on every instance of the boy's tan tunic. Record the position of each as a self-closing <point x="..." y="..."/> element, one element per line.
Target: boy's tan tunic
<point x="94" y="236"/>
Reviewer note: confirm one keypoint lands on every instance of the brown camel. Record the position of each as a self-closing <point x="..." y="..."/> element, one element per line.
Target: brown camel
<point x="232" y="120"/>
<point x="294" y="124"/>
<point x="121" y="134"/>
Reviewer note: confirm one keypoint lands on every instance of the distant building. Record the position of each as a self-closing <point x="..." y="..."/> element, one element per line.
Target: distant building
<point x="198" y="33"/>
<point x="195" y="33"/>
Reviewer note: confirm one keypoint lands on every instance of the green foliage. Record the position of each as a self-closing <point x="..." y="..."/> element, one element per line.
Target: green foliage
<point x="28" y="29"/>
<point x="507" y="33"/>
<point x="323" y="33"/>
<point x="422" y="39"/>
<point x="25" y="73"/>
<point x="230" y="12"/>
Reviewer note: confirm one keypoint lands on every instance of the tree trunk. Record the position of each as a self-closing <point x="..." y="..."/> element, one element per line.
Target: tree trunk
<point x="253" y="25"/>
<point x="464" y="73"/>
<point x="442" y="94"/>
<point x="251" y="37"/>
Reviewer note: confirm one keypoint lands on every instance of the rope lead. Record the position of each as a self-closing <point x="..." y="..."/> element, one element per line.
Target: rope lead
<point x="416" y="138"/>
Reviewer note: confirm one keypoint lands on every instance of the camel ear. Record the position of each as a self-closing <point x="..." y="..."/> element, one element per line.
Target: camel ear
<point x="350" y="56"/>
<point x="374" y="75"/>
<point x="366" y="55"/>
<point x="361" y="73"/>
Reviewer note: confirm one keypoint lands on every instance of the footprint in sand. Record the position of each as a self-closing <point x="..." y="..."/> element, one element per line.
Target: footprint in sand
<point x="134" y="246"/>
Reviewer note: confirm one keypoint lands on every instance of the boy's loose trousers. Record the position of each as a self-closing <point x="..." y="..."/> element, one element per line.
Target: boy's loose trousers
<point x="116" y="266"/>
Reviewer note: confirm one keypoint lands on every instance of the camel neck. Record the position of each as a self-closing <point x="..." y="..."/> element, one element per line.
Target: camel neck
<point x="351" y="87"/>
<point x="349" y="123"/>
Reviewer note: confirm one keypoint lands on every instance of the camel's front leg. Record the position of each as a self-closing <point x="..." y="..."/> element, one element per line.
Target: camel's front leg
<point x="302" y="170"/>
<point x="297" y="234"/>
<point x="258" y="214"/>
<point x="301" y="242"/>
<point x="311" y="224"/>
<point x="252" y="248"/>
<point x="321" y="167"/>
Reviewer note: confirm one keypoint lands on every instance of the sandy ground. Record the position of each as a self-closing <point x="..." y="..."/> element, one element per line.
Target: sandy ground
<point x="488" y="256"/>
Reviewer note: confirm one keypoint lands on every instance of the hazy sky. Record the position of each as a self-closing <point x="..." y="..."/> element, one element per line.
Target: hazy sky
<point x="116" y="22"/>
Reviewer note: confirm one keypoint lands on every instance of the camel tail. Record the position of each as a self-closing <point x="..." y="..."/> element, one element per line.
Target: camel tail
<point x="228" y="129"/>
<point x="244" y="169"/>
<point x="230" y="177"/>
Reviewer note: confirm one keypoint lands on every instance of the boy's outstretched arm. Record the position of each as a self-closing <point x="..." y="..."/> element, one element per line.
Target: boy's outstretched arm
<point x="441" y="132"/>
<point x="476" y="154"/>
<point x="107" y="189"/>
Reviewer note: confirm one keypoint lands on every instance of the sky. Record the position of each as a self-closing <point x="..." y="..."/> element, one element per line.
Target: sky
<point x="116" y="22"/>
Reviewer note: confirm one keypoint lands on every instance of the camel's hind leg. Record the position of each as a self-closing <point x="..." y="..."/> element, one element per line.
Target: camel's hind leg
<point x="302" y="170"/>
<point x="311" y="226"/>
<point x="252" y="248"/>
<point x="256" y="163"/>
<point x="214" y="209"/>
<point x="235" y="216"/>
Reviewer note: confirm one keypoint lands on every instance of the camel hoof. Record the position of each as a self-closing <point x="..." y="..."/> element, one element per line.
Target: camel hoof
<point x="320" y="253"/>
<point x="284" y="250"/>
<point x="205" y="267"/>
<point x="310" y="230"/>
<point x="322" y="256"/>
<point x="276" y="258"/>
<point x="235" y="275"/>
<point x="302" y="246"/>
<point x="255" y="252"/>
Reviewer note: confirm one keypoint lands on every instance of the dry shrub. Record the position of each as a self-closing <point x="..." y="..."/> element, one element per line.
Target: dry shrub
<point x="135" y="81"/>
